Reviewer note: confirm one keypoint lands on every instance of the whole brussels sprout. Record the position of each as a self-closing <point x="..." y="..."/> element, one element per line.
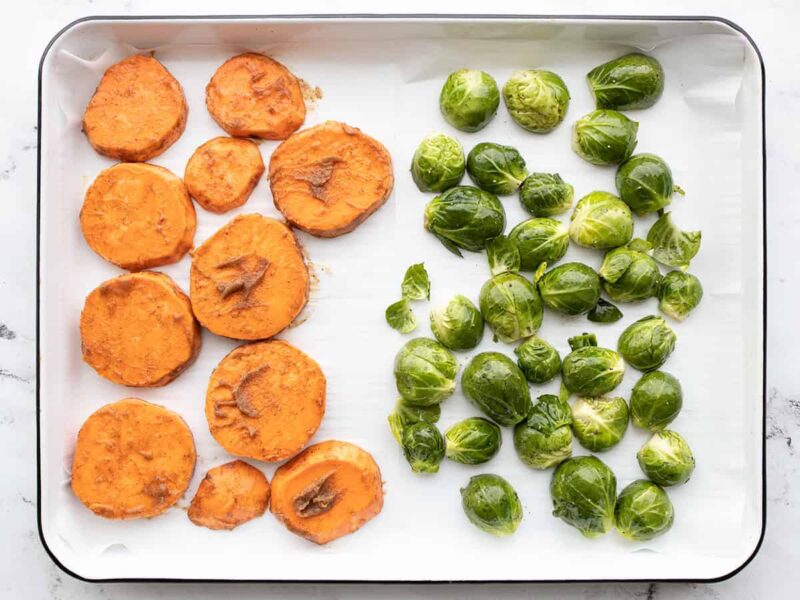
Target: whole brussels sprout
<point x="544" y="438"/>
<point x="644" y="183"/>
<point x="503" y="255"/>
<point x="604" y="312"/>
<point x="628" y="82"/>
<point x="469" y="99"/>
<point x="666" y="458"/>
<point x="584" y="493"/>
<point x="511" y="307"/>
<point x="604" y="137"/>
<point x="656" y="400"/>
<point x="497" y="169"/>
<point x="538" y="241"/>
<point x="546" y="194"/>
<point x="473" y="441"/>
<point x="425" y="372"/>
<point x="601" y="220"/>
<point x="591" y="371"/>
<point x="572" y="288"/>
<point x="643" y="511"/>
<point x="465" y="217"/>
<point x="438" y="163"/>
<point x="629" y="276"/>
<point x="491" y="504"/>
<point x="672" y="246"/>
<point x="405" y="415"/>
<point x="599" y="423"/>
<point x="459" y="325"/>
<point x="536" y="100"/>
<point x="538" y="360"/>
<point x="493" y="383"/>
<point x="647" y="343"/>
<point x="423" y="447"/>
<point x="679" y="294"/>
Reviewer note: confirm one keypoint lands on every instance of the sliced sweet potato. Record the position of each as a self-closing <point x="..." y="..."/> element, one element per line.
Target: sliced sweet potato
<point x="138" y="216"/>
<point x="132" y="460"/>
<point x="329" y="178"/>
<point x="230" y="495"/>
<point x="249" y="280"/>
<point x="329" y="490"/>
<point x="252" y="95"/>
<point x="138" y="330"/>
<point x="137" y="111"/>
<point x="222" y="173"/>
<point x="265" y="400"/>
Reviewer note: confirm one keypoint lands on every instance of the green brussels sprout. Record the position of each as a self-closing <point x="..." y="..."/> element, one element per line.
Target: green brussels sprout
<point x="473" y="441"/>
<point x="538" y="360"/>
<point x="539" y="240"/>
<point x="666" y="458"/>
<point x="644" y="183"/>
<point x="511" y="307"/>
<point x="469" y="99"/>
<point x="629" y="276"/>
<point x="405" y="415"/>
<point x="425" y="372"/>
<point x="604" y="312"/>
<point x="679" y="294"/>
<point x="647" y="343"/>
<point x="423" y="447"/>
<point x="584" y="493"/>
<point x="459" y="325"/>
<point x="604" y="137"/>
<point x="438" y="163"/>
<point x="546" y="194"/>
<point x="672" y="246"/>
<point x="416" y="283"/>
<point x="656" y="400"/>
<point x="599" y="423"/>
<point x="503" y="255"/>
<point x="493" y="383"/>
<point x="399" y="316"/>
<point x="536" y="100"/>
<point x="643" y="511"/>
<point x="571" y="289"/>
<point x="544" y="438"/>
<point x="491" y="504"/>
<point x="627" y="83"/>
<point x="601" y="220"/>
<point x="465" y="217"/>
<point x="497" y="169"/>
<point x="582" y="340"/>
<point x="591" y="371"/>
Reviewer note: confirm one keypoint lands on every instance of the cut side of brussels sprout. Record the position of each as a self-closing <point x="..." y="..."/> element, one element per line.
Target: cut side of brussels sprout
<point x="546" y="194"/>
<point x="629" y="82"/>
<point x="538" y="360"/>
<point x="473" y="441"/>
<point x="643" y="512"/>
<point x="644" y="183"/>
<point x="503" y="255"/>
<point x="666" y="458"/>
<point x="497" y="169"/>
<point x="469" y="99"/>
<point x="672" y="246"/>
<point x="656" y="400"/>
<point x="493" y="383"/>
<point x="425" y="372"/>
<point x="601" y="220"/>
<point x="599" y="423"/>
<point x="591" y="371"/>
<point x="571" y="289"/>
<point x="544" y="438"/>
<point x="584" y="493"/>
<point x="679" y="294"/>
<point x="511" y="307"/>
<point x="423" y="447"/>
<point x="459" y="325"/>
<point x="647" y="343"/>
<point x="405" y="415"/>
<point x="604" y="137"/>
<point x="400" y="317"/>
<point x="537" y="100"/>
<point x="438" y="163"/>
<point x="629" y="276"/>
<point x="465" y="217"/>
<point x="416" y="283"/>
<point x="491" y="504"/>
<point x="540" y="240"/>
<point x="604" y="312"/>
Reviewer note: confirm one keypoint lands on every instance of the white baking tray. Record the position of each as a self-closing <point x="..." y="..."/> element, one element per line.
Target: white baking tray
<point x="383" y="75"/>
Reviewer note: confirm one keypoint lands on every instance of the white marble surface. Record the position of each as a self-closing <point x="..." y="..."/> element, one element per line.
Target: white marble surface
<point x="25" y="569"/>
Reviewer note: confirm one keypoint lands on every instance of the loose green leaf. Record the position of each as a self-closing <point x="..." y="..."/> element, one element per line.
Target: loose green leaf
<point x="405" y="415"/>
<point x="416" y="284"/>
<point x="400" y="317"/>
<point x="604" y="312"/>
<point x="672" y="246"/>
<point x="503" y="255"/>
<point x="582" y="340"/>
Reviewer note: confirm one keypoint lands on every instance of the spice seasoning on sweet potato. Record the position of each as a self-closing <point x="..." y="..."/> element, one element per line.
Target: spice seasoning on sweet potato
<point x="249" y="280"/>
<point x="329" y="178"/>
<point x="252" y="95"/>
<point x="133" y="459"/>
<point x="137" y="111"/>
<point x="329" y="490"/>
<point x="138" y="216"/>
<point x="265" y="400"/>
<point x="138" y="330"/>
<point x="230" y="495"/>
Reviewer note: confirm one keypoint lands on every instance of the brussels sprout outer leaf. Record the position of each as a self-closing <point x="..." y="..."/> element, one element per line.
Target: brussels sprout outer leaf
<point x="493" y="383"/>
<point x="469" y="99"/>
<point x="399" y="316"/>
<point x="629" y="82"/>
<point x="647" y="343"/>
<point x="604" y="312"/>
<point x="604" y="137"/>
<point x="656" y="399"/>
<point x="425" y="372"/>
<point x="591" y="371"/>
<point x="473" y="441"/>
<point x="406" y="414"/>
<point x="666" y="458"/>
<point x="537" y="100"/>
<point x="599" y="423"/>
<point x="571" y="288"/>
<point x="496" y="169"/>
<point x="643" y="511"/>
<point x="672" y="246"/>
<point x="511" y="306"/>
<point x="584" y="492"/>
<point x="539" y="241"/>
<point x="438" y="163"/>
<point x="538" y="360"/>
<point x="582" y="340"/>
<point x="423" y="446"/>
<point x="459" y="325"/>
<point x="644" y="183"/>
<point x="465" y="218"/>
<point x="679" y="294"/>
<point x="491" y="504"/>
<point x="416" y="284"/>
<point x="503" y="255"/>
<point x="601" y="220"/>
<point x="546" y="194"/>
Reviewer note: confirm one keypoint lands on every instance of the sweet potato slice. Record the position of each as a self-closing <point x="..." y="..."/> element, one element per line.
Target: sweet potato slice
<point x="138" y="330"/>
<point x="249" y="280"/>
<point x="329" y="178"/>
<point x="138" y="216"/>
<point x="252" y="95"/>
<point x="222" y="173"/>
<point x="265" y="400"/>
<point x="132" y="460"/>
<point x="329" y="490"/>
<point x="137" y="111"/>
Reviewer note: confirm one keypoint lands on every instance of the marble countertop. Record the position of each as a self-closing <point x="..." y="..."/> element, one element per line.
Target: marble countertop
<point x="25" y="569"/>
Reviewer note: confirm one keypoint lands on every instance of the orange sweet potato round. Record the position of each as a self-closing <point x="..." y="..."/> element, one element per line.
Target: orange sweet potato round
<point x="230" y="495"/>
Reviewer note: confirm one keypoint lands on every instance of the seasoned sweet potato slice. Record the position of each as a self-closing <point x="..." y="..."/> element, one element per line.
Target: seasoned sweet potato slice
<point x="132" y="460"/>
<point x="230" y="495"/>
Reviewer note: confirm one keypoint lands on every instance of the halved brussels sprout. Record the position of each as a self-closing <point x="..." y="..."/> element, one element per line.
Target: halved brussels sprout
<point x="493" y="383"/>
<point x="643" y="512"/>
<point x="627" y="83"/>
<point x="604" y="312"/>
<point x="604" y="137"/>
<point x="647" y="343"/>
<point x="400" y="317"/>
<point x="592" y="371"/>
<point x="656" y="400"/>
<point x="679" y="294"/>
<point x="601" y="220"/>
<point x="572" y="288"/>
<point x="538" y="360"/>
<point x="473" y="441"/>
<point x="584" y="493"/>
<point x="536" y="100"/>
<point x="465" y="217"/>
<point x="416" y="283"/>
<point x="459" y="325"/>
<point x="503" y="255"/>
<point x="405" y="415"/>
<point x="438" y="163"/>
<point x="491" y="504"/>
<point x="666" y="458"/>
<point x="469" y="99"/>
<point x="546" y="194"/>
<point x="538" y="241"/>
<point x="629" y="276"/>
<point x="672" y="246"/>
<point x="599" y="423"/>
<point x="423" y="447"/>
<point x="511" y="307"/>
<point x="425" y="372"/>
<point x="497" y="169"/>
<point x="544" y="438"/>
<point x="644" y="183"/>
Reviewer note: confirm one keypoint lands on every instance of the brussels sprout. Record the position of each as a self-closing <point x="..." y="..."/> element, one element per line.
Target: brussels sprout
<point x="679" y="294"/>
<point x="423" y="446"/>
<point x="599" y="423"/>
<point x="629" y="276"/>
<point x="572" y="288"/>
<point x="538" y="360"/>
<point x="591" y="371"/>
<point x="582" y="340"/>
<point x="628" y="82"/>
<point x="644" y="183"/>
<point x="584" y="492"/>
<point x="416" y="284"/>
<point x="459" y="325"/>
<point x="539" y="240"/>
<point x="643" y="511"/>
<point x="469" y="99"/>
<point x="465" y="217"/>
<point x="493" y="383"/>
<point x="666" y="458"/>
<point x="656" y="400"/>
<point x="438" y="163"/>
<point x="672" y="246"/>
<point x="604" y="312"/>
<point x="546" y="194"/>
<point x="503" y="255"/>
<point x="601" y="220"/>
<point x="536" y="100"/>
<point x="496" y="169"/>
<point x="511" y="307"/>
<point x="425" y="372"/>
<point x="491" y="504"/>
<point x="544" y="438"/>
<point x="473" y="441"/>
<point x="647" y="343"/>
<point x="399" y="316"/>
<point x="406" y="414"/>
<point x="604" y="137"/>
